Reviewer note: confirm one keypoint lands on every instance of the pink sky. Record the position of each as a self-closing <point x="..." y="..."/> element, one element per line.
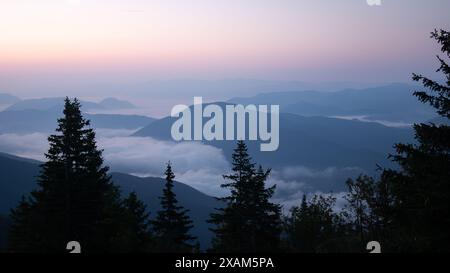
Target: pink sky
<point x="315" y="40"/>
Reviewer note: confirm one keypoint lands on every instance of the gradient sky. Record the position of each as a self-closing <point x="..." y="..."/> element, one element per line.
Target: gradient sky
<point x="117" y="41"/>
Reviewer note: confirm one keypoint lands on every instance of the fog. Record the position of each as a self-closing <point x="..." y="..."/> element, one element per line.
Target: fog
<point x="195" y="164"/>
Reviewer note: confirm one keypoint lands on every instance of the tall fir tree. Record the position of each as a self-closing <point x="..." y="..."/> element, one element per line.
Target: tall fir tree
<point x="172" y="224"/>
<point x="421" y="188"/>
<point x="75" y="199"/>
<point x="249" y="222"/>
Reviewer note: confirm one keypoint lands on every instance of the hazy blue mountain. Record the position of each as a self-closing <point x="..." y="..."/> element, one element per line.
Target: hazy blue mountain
<point x="6" y="99"/>
<point x="29" y="121"/>
<point x="113" y="103"/>
<point x="58" y="104"/>
<point x="18" y="178"/>
<point x="391" y="103"/>
<point x="221" y="89"/>
<point x="114" y="121"/>
<point x="314" y="142"/>
<point x="19" y="158"/>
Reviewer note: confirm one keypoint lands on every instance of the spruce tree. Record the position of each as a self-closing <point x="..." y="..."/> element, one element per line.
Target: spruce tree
<point x="137" y="236"/>
<point x="172" y="224"/>
<point x="421" y="188"/>
<point x="75" y="199"/>
<point x="249" y="222"/>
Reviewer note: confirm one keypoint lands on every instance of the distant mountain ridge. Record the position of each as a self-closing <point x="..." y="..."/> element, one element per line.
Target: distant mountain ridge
<point x="45" y="121"/>
<point x="7" y="99"/>
<point x="310" y="141"/>
<point x="393" y="102"/>
<point x="313" y="142"/>
<point x="58" y="104"/>
<point x="113" y="103"/>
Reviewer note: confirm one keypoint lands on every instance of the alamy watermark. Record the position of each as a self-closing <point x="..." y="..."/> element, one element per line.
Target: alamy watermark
<point x="373" y="2"/>
<point x="239" y="122"/>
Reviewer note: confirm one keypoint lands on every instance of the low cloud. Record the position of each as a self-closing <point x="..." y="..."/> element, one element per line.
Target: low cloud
<point x="195" y="164"/>
<point x="33" y="145"/>
<point x="198" y="165"/>
<point x="305" y="172"/>
<point x="293" y="182"/>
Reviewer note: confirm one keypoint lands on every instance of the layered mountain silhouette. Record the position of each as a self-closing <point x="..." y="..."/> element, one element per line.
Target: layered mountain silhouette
<point x="113" y="103"/>
<point x="315" y="142"/>
<point x="7" y="99"/>
<point x="30" y="121"/>
<point x="18" y="178"/>
<point x="392" y="102"/>
<point x="58" y="104"/>
<point x="40" y="115"/>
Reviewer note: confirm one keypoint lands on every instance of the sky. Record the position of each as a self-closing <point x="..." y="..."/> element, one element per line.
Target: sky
<point x="48" y="47"/>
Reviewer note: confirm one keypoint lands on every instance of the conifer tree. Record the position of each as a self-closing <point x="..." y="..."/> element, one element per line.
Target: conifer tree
<point x="172" y="224"/>
<point x="75" y="199"/>
<point x="137" y="237"/>
<point x="421" y="188"/>
<point x="249" y="222"/>
<point x="313" y="226"/>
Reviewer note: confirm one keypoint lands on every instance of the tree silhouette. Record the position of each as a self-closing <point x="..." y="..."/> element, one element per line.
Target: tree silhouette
<point x="422" y="187"/>
<point x="314" y="226"/>
<point x="249" y="222"/>
<point x="137" y="236"/>
<point x="359" y="204"/>
<point x="75" y="199"/>
<point x="172" y="224"/>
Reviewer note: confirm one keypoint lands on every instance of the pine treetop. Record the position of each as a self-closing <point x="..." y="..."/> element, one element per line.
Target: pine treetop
<point x="172" y="223"/>
<point x="441" y="97"/>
